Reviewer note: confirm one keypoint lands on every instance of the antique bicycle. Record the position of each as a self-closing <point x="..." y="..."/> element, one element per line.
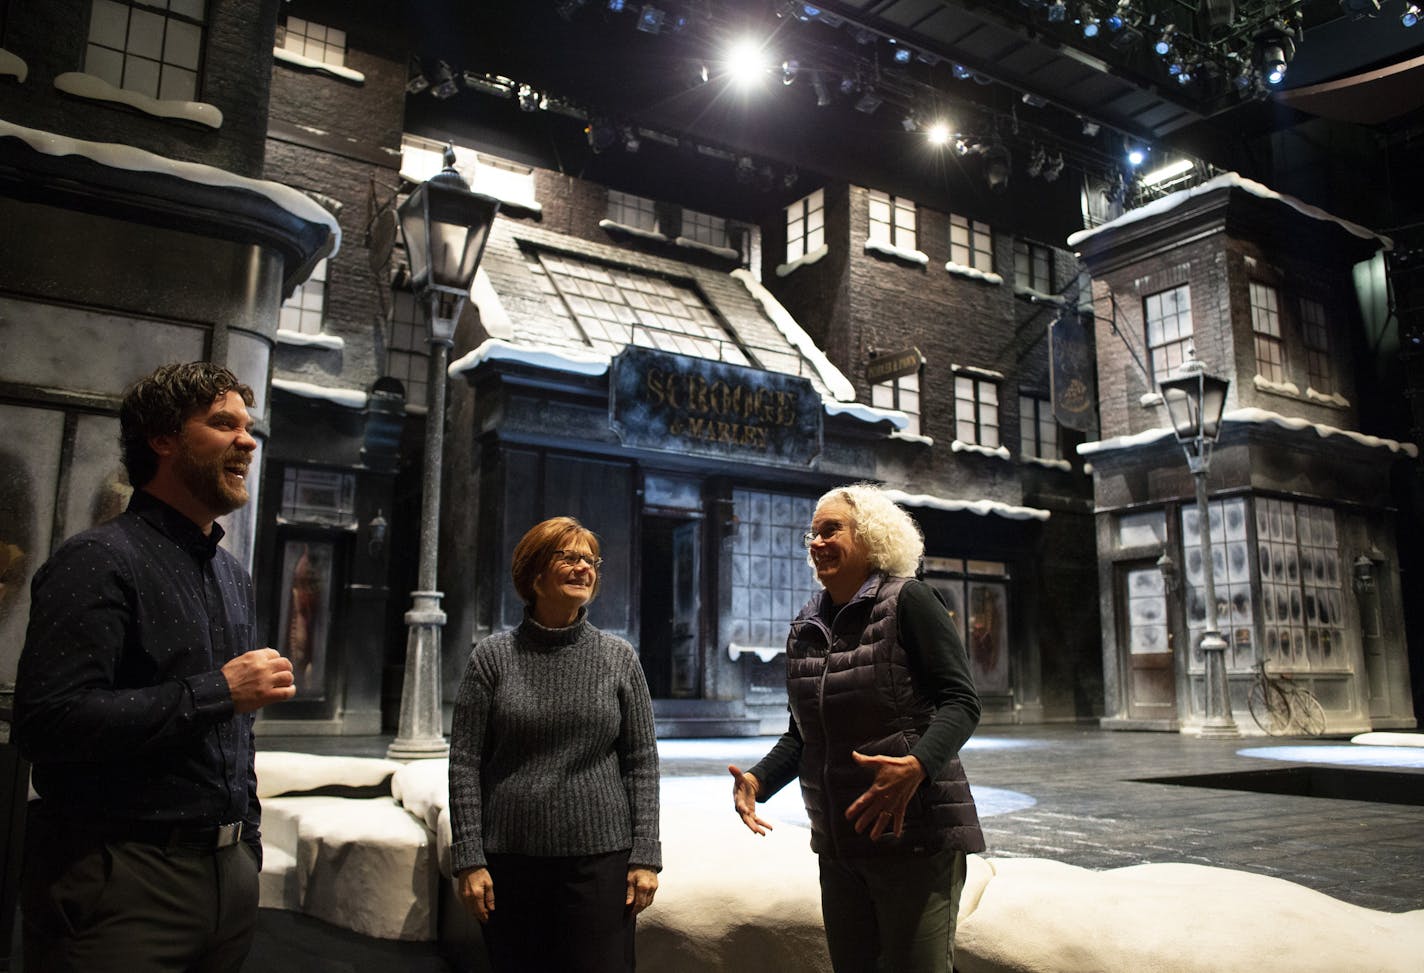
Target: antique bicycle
<point x="1282" y="707"/>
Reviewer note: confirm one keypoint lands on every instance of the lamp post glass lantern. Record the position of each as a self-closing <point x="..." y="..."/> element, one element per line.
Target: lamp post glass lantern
<point x="445" y="226"/>
<point x="1195" y="401"/>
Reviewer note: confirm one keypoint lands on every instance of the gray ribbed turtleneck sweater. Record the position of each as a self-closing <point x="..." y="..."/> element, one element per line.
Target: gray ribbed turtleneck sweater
<point x="553" y="751"/>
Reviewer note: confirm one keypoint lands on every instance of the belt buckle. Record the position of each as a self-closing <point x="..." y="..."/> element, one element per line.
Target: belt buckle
<point x="228" y="835"/>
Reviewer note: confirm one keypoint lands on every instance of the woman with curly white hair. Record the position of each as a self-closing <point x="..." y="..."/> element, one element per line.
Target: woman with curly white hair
<point x="881" y="702"/>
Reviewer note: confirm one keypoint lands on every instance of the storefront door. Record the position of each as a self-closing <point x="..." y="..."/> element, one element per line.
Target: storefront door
<point x="671" y="648"/>
<point x="1147" y="637"/>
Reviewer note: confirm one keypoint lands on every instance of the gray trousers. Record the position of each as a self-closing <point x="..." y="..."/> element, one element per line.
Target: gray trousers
<point x="95" y="905"/>
<point x="892" y="915"/>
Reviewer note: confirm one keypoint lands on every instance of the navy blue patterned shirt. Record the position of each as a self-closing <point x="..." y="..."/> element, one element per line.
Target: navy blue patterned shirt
<point x="120" y="703"/>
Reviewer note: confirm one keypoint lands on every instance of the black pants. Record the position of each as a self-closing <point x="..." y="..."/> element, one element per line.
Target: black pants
<point x="95" y="905"/>
<point x="560" y="915"/>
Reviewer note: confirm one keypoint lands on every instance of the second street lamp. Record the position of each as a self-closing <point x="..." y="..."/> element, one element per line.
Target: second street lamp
<point x="1195" y="401"/>
<point x="445" y="226"/>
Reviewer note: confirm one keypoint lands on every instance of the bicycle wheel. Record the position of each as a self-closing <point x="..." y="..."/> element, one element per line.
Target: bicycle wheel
<point x="1307" y="715"/>
<point x="1269" y="708"/>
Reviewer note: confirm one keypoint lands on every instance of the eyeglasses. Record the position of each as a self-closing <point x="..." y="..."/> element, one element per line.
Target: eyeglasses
<point x="828" y="530"/>
<point x="573" y="558"/>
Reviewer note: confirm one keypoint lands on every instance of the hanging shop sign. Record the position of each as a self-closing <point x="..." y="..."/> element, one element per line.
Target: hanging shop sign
<point x="895" y="364"/>
<point x="1071" y="374"/>
<point x="709" y="408"/>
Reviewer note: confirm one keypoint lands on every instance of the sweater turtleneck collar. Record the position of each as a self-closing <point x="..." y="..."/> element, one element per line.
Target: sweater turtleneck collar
<point x="553" y="638"/>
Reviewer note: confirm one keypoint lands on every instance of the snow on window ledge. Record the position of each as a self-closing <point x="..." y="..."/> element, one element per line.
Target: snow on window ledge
<point x="1055" y="464"/>
<point x="727" y="252"/>
<point x="351" y="398"/>
<point x="613" y="226"/>
<point x="13" y="66"/>
<point x="330" y="342"/>
<point x="97" y="89"/>
<point x="1289" y="389"/>
<point x="1038" y="297"/>
<point x="1150" y="400"/>
<point x="912" y="437"/>
<point x="960" y="446"/>
<point x="803" y="261"/>
<point x="977" y="372"/>
<point x="899" y="253"/>
<point x="988" y="277"/>
<point x="765" y="653"/>
<point x="1327" y="398"/>
<point x="311" y="64"/>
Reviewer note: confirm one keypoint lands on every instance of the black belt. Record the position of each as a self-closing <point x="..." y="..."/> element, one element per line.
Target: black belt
<point x="190" y="837"/>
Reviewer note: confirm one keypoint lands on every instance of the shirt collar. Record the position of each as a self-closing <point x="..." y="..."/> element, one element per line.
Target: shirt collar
<point x="175" y="526"/>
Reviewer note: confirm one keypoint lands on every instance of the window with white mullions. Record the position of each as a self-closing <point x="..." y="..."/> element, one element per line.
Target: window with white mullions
<point x="1266" y="324"/>
<point x="976" y="411"/>
<point x="316" y="41"/>
<point x="1038" y="429"/>
<point x="705" y="228"/>
<point x="1317" y="345"/>
<point x="1033" y="267"/>
<point x="304" y="311"/>
<point x="805" y="226"/>
<point x="150" y="47"/>
<point x="1169" y="330"/>
<point x="625" y="209"/>
<point x="892" y="220"/>
<point x="901" y="393"/>
<point x="971" y="244"/>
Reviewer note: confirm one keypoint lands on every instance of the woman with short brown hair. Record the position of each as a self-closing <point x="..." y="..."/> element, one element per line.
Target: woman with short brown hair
<point x="554" y="773"/>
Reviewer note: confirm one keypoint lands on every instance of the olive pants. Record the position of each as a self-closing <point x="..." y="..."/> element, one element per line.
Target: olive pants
<point x="892" y="915"/>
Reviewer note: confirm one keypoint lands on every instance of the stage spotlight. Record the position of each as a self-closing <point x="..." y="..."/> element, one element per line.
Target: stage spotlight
<point x="1359" y="9"/>
<point x="416" y="81"/>
<point x="1057" y="12"/>
<point x="601" y="134"/>
<point x="1273" y="63"/>
<point x="746" y="63"/>
<point x="445" y="86"/>
<point x="531" y="100"/>
<point x="1410" y="17"/>
<point x="650" y="19"/>
<point x="1117" y="20"/>
<point x="1136" y="155"/>
<point x="848" y="84"/>
<point x="615" y="6"/>
<point x="1036" y="161"/>
<point x="997" y="166"/>
<point x="1088" y="20"/>
<point x="1163" y="44"/>
<point x="901" y="54"/>
<point x="938" y="134"/>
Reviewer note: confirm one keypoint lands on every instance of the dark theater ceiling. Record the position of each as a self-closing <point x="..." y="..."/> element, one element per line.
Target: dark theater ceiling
<point x="850" y="88"/>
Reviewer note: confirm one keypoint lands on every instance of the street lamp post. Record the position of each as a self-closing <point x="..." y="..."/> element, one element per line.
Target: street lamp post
<point x="1195" y="401"/>
<point x="445" y="226"/>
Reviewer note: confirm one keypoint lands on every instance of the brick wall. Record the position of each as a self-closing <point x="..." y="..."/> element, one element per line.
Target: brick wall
<point x="50" y="38"/>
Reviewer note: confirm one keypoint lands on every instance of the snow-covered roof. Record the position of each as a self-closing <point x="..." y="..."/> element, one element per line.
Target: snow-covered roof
<point x="131" y="159"/>
<point x="727" y="313"/>
<point x="1229" y="180"/>
<point x="1249" y="416"/>
<point x="981" y="507"/>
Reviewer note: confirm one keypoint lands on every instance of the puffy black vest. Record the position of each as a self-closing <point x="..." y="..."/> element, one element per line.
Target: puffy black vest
<point x="851" y="689"/>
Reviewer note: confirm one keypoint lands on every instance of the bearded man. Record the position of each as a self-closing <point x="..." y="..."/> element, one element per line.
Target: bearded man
<point x="135" y="698"/>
